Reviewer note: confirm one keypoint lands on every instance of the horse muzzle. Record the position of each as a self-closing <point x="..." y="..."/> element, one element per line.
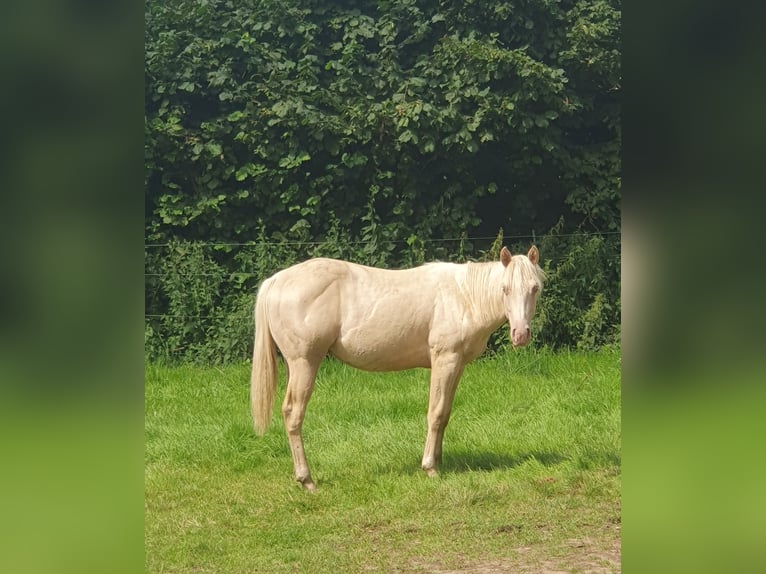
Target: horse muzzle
<point x="520" y="336"/>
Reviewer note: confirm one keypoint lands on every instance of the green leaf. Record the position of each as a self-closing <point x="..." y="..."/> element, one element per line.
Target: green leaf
<point x="242" y="173"/>
<point x="291" y="161"/>
<point x="213" y="148"/>
<point x="354" y="160"/>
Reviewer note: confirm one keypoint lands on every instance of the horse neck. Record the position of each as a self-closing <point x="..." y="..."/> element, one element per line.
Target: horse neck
<point x="483" y="286"/>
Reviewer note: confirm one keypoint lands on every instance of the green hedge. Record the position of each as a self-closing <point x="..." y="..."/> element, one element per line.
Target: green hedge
<point x="368" y="131"/>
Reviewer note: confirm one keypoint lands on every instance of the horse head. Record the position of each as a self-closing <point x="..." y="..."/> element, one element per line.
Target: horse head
<point x="522" y="284"/>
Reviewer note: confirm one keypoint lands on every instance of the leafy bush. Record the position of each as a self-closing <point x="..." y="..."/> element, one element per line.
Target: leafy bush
<point x="389" y="122"/>
<point x="580" y="302"/>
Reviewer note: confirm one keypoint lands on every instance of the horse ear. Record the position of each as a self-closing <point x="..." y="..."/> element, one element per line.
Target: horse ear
<point x="534" y="255"/>
<point x="505" y="256"/>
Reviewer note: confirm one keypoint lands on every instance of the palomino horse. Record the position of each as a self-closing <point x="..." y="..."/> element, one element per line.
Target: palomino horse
<point x="439" y="315"/>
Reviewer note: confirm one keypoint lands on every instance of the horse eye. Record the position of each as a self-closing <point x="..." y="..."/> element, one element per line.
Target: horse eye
<point x="535" y="288"/>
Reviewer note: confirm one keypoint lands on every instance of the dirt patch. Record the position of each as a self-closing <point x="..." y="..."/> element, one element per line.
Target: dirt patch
<point x="574" y="556"/>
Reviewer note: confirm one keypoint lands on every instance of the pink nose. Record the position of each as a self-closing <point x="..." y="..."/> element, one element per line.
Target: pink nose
<point x="520" y="337"/>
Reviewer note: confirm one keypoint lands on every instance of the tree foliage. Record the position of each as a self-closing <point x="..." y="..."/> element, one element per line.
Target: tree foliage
<point x="389" y="123"/>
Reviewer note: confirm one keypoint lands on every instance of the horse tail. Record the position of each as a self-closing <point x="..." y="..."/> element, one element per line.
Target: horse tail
<point x="263" y="379"/>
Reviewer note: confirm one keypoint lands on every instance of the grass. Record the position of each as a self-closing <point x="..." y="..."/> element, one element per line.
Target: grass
<point x="531" y="474"/>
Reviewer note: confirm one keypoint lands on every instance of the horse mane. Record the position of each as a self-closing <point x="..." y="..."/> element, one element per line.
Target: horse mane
<point x="529" y="272"/>
<point x="481" y="286"/>
<point x="480" y="274"/>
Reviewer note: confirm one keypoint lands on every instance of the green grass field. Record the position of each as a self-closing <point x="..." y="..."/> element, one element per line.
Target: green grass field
<point x="530" y="480"/>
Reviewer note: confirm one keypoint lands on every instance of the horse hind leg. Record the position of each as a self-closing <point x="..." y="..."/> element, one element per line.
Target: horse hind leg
<point x="300" y="384"/>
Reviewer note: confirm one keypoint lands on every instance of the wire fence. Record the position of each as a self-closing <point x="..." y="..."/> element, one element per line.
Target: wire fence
<point x="242" y="275"/>
<point x="532" y="236"/>
<point x="199" y="298"/>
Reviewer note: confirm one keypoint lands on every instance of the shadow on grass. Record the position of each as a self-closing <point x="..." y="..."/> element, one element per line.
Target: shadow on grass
<point x="473" y="461"/>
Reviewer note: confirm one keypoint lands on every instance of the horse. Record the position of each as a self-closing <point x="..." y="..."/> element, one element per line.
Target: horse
<point x="437" y="316"/>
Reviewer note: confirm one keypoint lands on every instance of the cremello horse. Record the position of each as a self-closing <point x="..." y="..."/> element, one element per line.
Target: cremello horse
<point x="439" y="315"/>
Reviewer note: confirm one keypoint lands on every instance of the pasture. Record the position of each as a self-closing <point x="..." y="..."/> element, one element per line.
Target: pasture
<point x="530" y="480"/>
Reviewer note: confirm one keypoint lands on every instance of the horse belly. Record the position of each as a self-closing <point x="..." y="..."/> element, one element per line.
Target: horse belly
<point x="378" y="351"/>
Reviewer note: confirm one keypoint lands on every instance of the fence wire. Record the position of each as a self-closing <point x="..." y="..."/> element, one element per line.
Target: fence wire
<point x="232" y="275"/>
<point x="395" y="241"/>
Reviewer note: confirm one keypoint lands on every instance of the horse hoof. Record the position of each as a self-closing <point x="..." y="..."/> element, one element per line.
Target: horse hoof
<point x="432" y="472"/>
<point x="309" y="485"/>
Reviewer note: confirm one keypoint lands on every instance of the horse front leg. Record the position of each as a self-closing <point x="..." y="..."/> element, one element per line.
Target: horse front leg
<point x="300" y="384"/>
<point x="445" y="375"/>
